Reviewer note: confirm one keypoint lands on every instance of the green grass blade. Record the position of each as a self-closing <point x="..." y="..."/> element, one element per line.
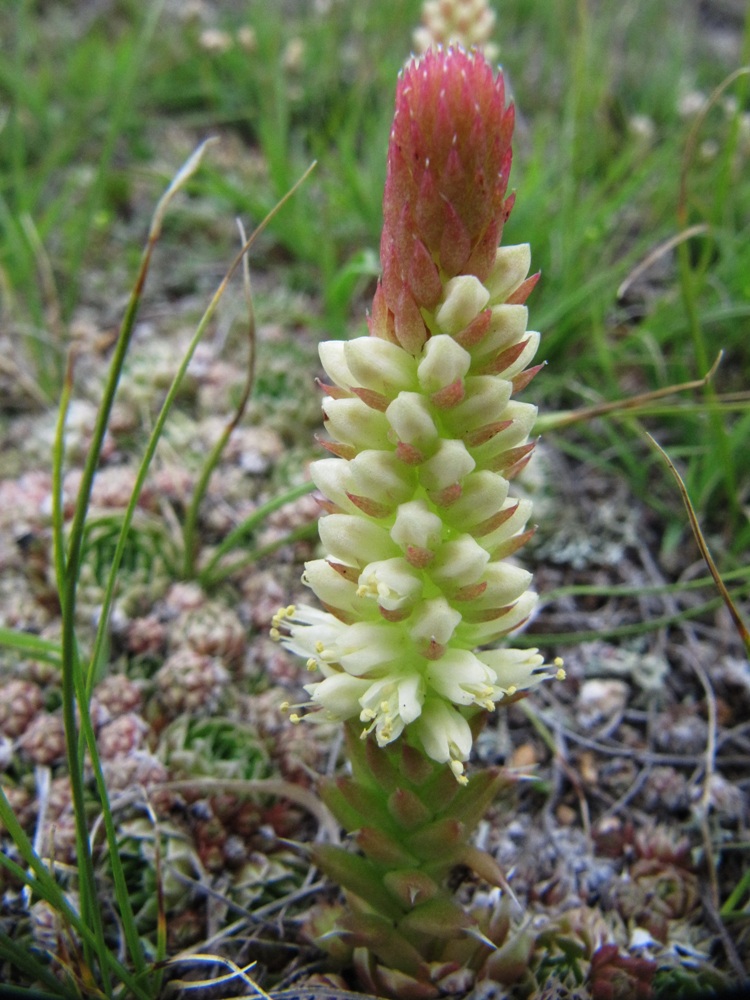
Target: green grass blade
<point x="30" y="645"/>
<point x="34" y="970"/>
<point x="189" y="531"/>
<point x="242" y="532"/>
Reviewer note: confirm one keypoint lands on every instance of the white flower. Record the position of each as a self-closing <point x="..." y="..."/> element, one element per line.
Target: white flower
<point x="511" y="267"/>
<point x="355" y="541"/>
<point x="463" y="678"/>
<point x="411" y="420"/>
<point x="352" y="422"/>
<point x="444" y="734"/>
<point x="515" y="669"/>
<point x="459" y="562"/>
<point x="393" y="583"/>
<point x="416" y="526"/>
<point x="463" y="298"/>
<point x="443" y="361"/>
<point x="339" y="695"/>
<point x="381" y="476"/>
<point x="391" y="704"/>
<point x="450" y="463"/>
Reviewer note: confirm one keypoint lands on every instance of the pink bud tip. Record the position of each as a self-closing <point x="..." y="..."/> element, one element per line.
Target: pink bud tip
<point x="444" y="206"/>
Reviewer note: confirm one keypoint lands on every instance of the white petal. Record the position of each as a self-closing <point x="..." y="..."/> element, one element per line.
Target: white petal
<point x="485" y="399"/>
<point x="339" y="695"/>
<point x="416" y="525"/>
<point x="351" y="421"/>
<point x="392" y="582"/>
<point x="354" y="541"/>
<point x="514" y="668"/>
<point x="525" y="358"/>
<point x="333" y="479"/>
<point x="508" y="327"/>
<point x="332" y="588"/>
<point x="363" y="647"/>
<point x="381" y="476"/>
<point x="509" y="270"/>
<point x="434" y="621"/>
<point x="450" y="463"/>
<point x="444" y="732"/>
<point x="459" y="562"/>
<point x="463" y="298"/>
<point x="515" y="523"/>
<point x="443" y="362"/>
<point x="334" y="361"/>
<point x="484" y="494"/>
<point x="482" y="633"/>
<point x="505" y="584"/>
<point x="380" y="365"/>
<point x="523" y="416"/>
<point x="410" y="417"/>
<point x="461" y="677"/>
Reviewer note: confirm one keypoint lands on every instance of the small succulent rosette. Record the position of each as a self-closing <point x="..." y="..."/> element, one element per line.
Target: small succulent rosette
<point x="417" y="586"/>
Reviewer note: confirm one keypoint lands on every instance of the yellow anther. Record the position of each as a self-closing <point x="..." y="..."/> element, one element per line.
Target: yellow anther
<point x="319" y="647"/>
<point x="511" y="690"/>
<point x="284" y="706"/>
<point x="290" y="610"/>
<point x="458" y="772"/>
<point x="561" y="675"/>
<point x="295" y="719"/>
<point x="312" y="664"/>
<point x="275" y="634"/>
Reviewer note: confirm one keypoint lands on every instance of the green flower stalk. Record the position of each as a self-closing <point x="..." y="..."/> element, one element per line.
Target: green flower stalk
<point x="416" y="586"/>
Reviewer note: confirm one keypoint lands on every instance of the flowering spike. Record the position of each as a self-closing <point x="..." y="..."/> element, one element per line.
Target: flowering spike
<point x="427" y="438"/>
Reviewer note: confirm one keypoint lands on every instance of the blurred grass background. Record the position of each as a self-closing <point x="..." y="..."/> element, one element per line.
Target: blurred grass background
<point x="618" y="151"/>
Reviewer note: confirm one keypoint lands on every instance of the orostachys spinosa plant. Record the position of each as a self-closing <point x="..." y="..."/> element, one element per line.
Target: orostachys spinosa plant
<point x="416" y="586"/>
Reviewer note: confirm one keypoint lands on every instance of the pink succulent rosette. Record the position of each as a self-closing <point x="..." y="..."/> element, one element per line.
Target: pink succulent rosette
<point x="416" y="587"/>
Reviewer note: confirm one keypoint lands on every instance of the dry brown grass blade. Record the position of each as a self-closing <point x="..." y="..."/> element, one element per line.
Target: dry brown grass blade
<point x="739" y="623"/>
<point x="691" y="146"/>
<point x="658" y="252"/>
<point x="556" y="421"/>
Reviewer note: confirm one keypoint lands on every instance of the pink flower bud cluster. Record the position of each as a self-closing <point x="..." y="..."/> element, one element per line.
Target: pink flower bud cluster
<point x="416" y="585"/>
